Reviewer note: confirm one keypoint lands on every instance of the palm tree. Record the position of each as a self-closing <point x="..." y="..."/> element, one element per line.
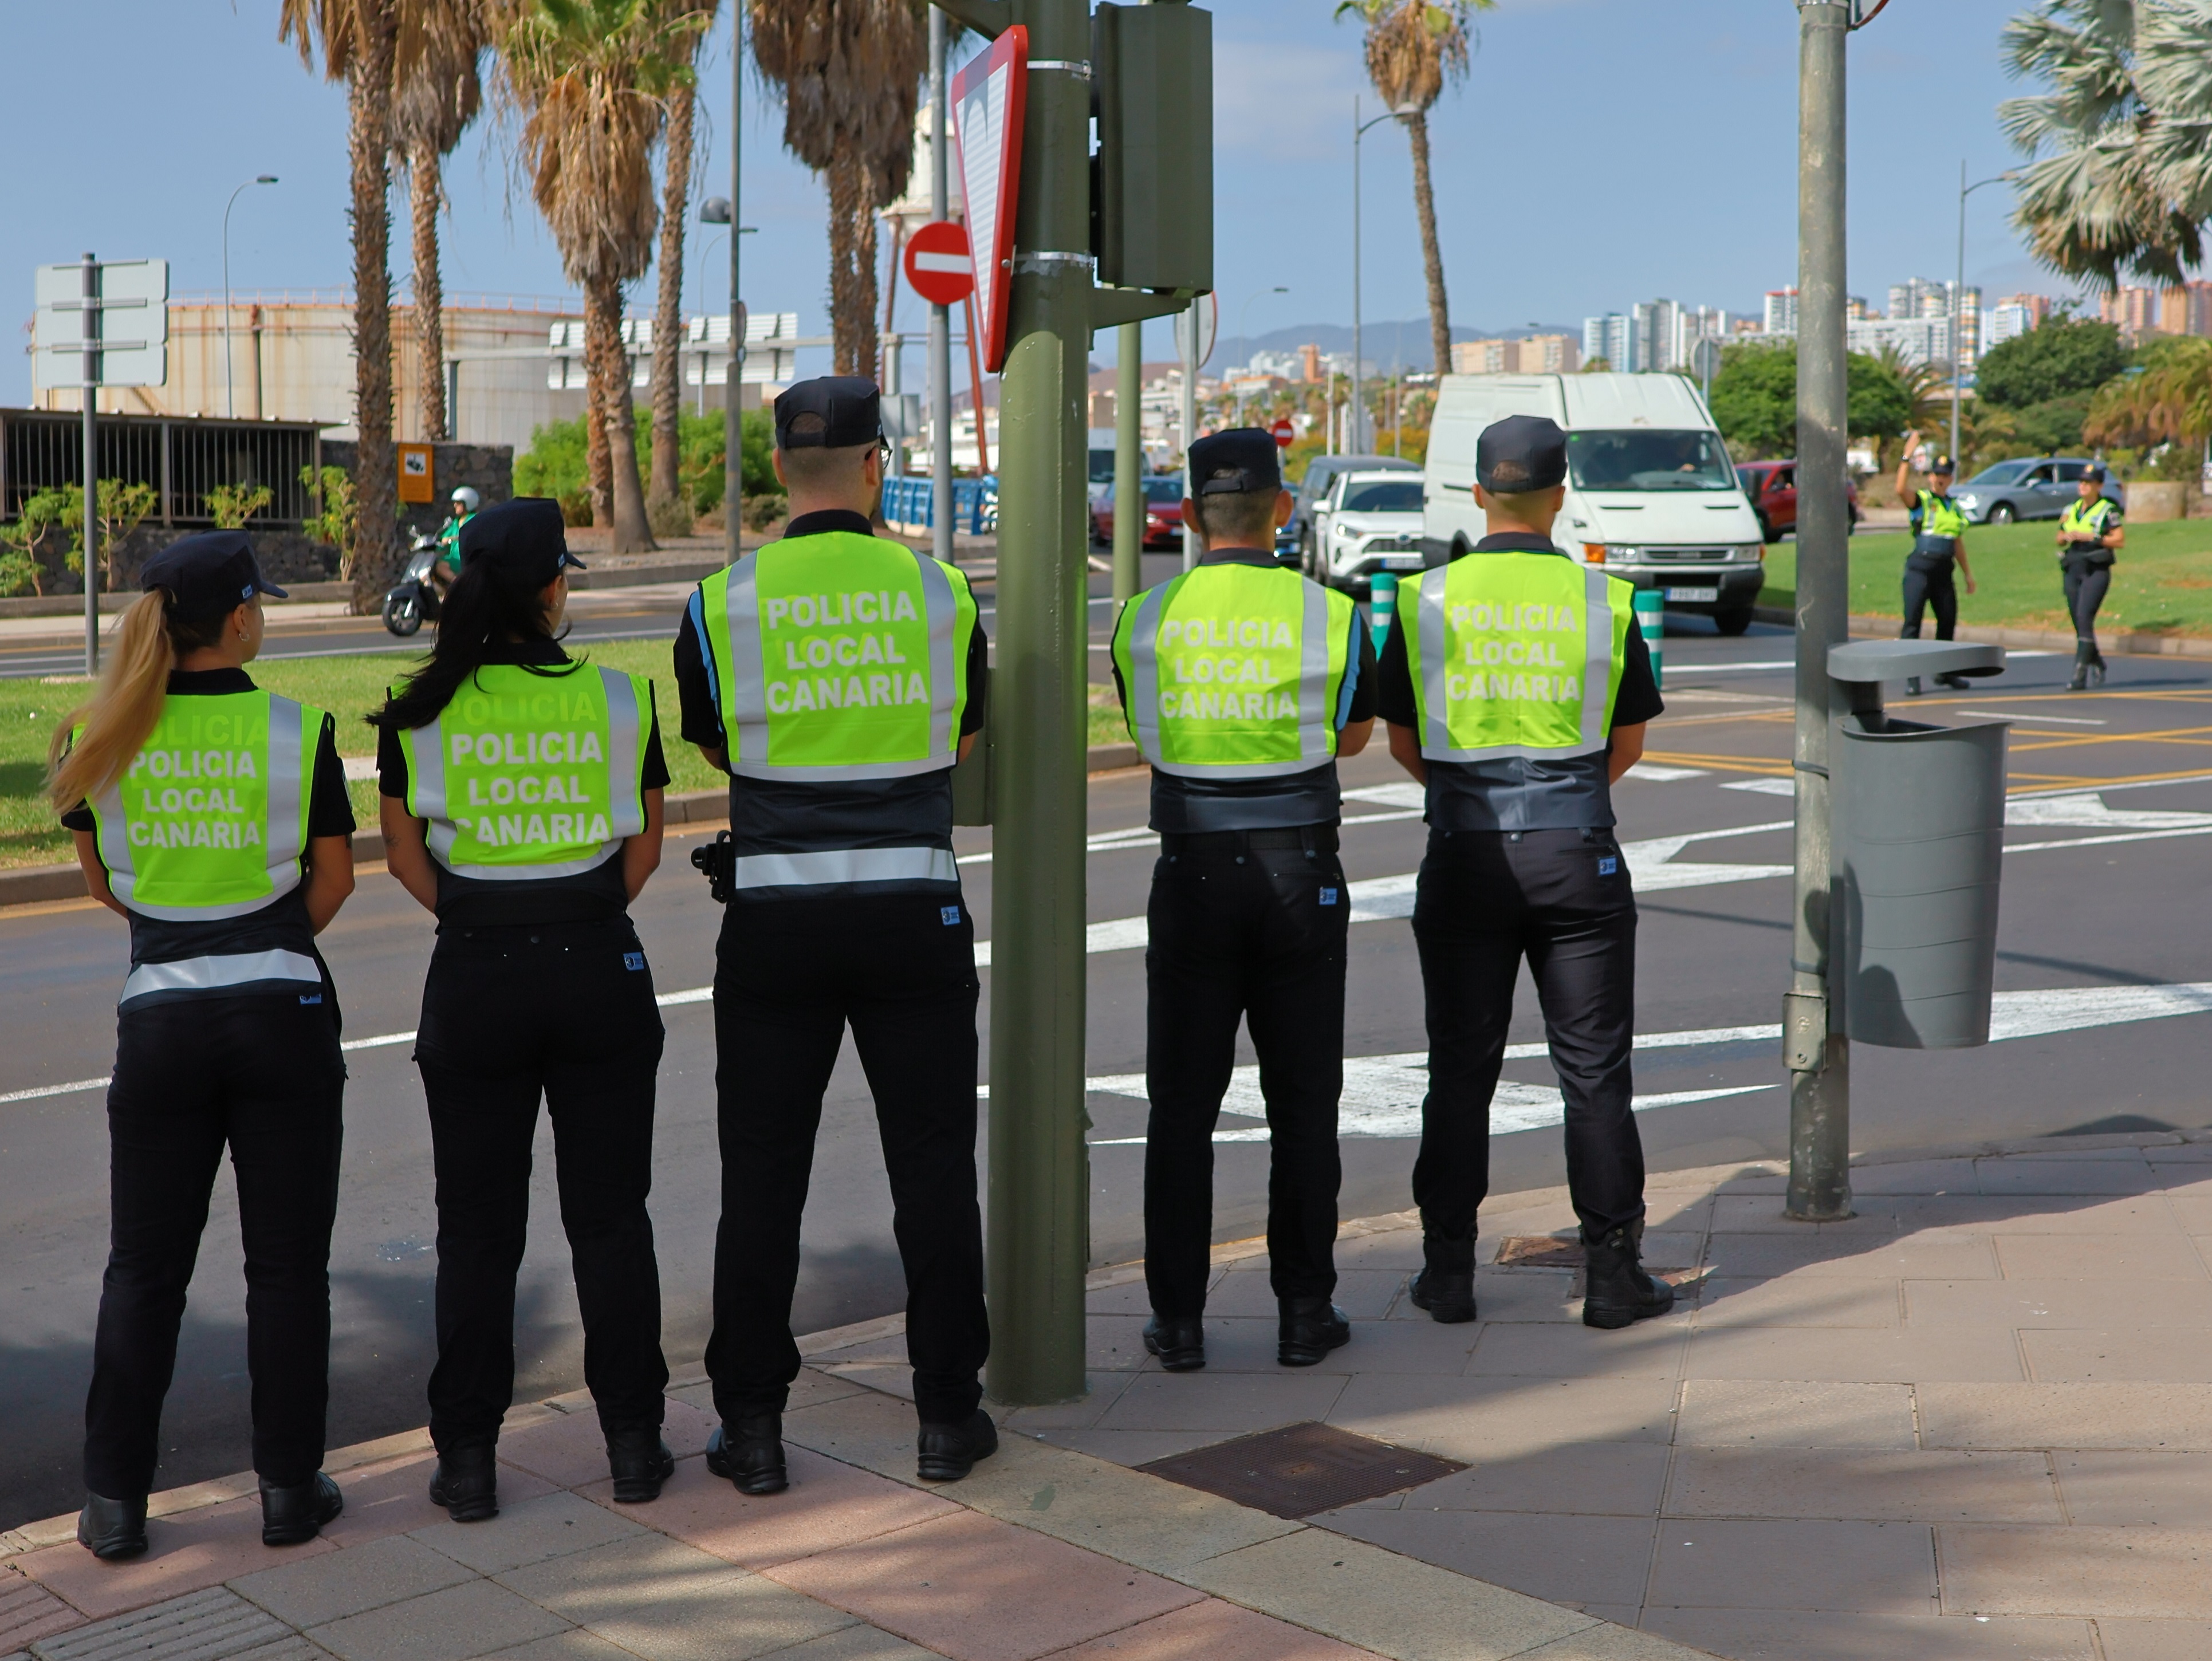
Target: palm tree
<point x="662" y="496"/>
<point x="1414" y="48"/>
<point x="433" y="103"/>
<point x="359" y="43"/>
<point x="588" y="78"/>
<point x="851" y="74"/>
<point x="2170" y="402"/>
<point x="2120" y="174"/>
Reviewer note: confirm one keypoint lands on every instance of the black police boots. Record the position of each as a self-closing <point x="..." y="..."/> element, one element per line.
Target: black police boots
<point x="1956" y="683"/>
<point x="1617" y="1291"/>
<point x="946" y="1453"/>
<point x="1178" y="1340"/>
<point x="1913" y="686"/>
<point x="2088" y="668"/>
<point x="1307" y="1328"/>
<point x="1448" y="1298"/>
<point x="467" y="1484"/>
<point x="113" y="1529"/>
<point x="748" y="1450"/>
<point x="293" y="1516"/>
<point x="640" y="1462"/>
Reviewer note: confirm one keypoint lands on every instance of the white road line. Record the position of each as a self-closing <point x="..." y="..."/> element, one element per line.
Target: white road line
<point x="1764" y="787"/>
<point x="2088" y="809"/>
<point x="2055" y="720"/>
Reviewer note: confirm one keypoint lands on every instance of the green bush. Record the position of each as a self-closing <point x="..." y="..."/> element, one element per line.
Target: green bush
<point x="555" y="463"/>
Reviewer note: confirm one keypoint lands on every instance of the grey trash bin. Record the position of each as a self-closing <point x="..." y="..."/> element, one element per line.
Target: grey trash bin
<point x="1917" y="818"/>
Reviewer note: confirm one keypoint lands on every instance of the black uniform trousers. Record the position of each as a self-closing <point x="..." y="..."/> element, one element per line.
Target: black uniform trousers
<point x="1561" y="899"/>
<point x="262" y="1074"/>
<point x="789" y="974"/>
<point x="1928" y="583"/>
<point x="2087" y="577"/>
<point x="1257" y="933"/>
<point x="565" y="1011"/>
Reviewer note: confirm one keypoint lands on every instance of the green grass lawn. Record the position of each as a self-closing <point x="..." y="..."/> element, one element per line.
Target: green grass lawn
<point x="2162" y="583"/>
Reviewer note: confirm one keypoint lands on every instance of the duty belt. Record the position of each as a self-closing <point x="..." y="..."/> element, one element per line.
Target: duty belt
<point x="1310" y="838"/>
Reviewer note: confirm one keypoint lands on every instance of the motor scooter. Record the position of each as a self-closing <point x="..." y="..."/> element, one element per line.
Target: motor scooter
<point x="414" y="598"/>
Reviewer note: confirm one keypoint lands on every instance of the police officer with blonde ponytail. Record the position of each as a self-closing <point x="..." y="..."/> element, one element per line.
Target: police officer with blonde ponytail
<point x="522" y="804"/>
<point x="213" y="817"/>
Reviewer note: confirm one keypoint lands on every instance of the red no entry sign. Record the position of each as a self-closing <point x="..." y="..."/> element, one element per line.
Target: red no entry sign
<point x="939" y="265"/>
<point x="1282" y="431"/>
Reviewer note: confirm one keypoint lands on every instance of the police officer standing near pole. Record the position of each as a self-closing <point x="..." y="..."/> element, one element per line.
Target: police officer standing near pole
<point x="837" y="677"/>
<point x="1516" y="690"/>
<point x="2089" y="535"/>
<point x="1241" y="682"/>
<point x="1939" y="537"/>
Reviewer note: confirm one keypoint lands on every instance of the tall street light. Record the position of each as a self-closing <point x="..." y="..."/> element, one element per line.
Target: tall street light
<point x="1959" y="306"/>
<point x="1359" y="132"/>
<point x="1243" y="333"/>
<point x="229" y="380"/>
<point x="715" y="210"/>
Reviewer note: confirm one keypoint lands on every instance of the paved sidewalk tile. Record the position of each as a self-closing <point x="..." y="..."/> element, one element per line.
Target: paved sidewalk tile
<point x="2020" y="1175"/>
<point x="1766" y="1413"/>
<point x="1948" y="1256"/>
<point x="2155" y="1641"/>
<point x="1101" y="1391"/>
<point x="2129" y="1356"/>
<point x="1651" y="1349"/>
<point x="551" y="1526"/>
<point x="1130" y="1447"/>
<point x="2024" y="1416"/>
<point x="185" y="1554"/>
<point x="1829" y="1300"/>
<point x="2157" y="1489"/>
<point x="476" y="1618"/>
<point x="1229" y="1403"/>
<point x="1115" y="1344"/>
<point x="29" y="1611"/>
<point x="342" y="1583"/>
<point x="1365" y="1294"/>
<point x="1876" y="1568"/>
<point x="1867" y="1484"/>
<point x="1566" y="1559"/>
<point x="2152" y="1214"/>
<point x="1786" y="1635"/>
<point x="666" y="1601"/>
<point x="1949" y="1306"/>
<point x="978" y="1589"/>
<point x="1595" y="1479"/>
<point x="2128" y="1257"/>
<point x="393" y="1497"/>
<point x="2164" y="1573"/>
<point x="827" y="1504"/>
<point x="1214" y="1631"/>
<point x="215" y="1622"/>
<point x="574" y="1644"/>
<point x="1485" y="1419"/>
<point x="1979" y="1351"/>
<point x="1376" y="1345"/>
<point x="572" y="1450"/>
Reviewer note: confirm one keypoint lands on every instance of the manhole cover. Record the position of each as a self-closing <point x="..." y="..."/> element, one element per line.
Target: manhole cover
<point x="1540" y="1252"/>
<point x="1300" y="1469"/>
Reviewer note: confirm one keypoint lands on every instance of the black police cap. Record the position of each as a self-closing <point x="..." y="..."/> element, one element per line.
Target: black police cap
<point x="1941" y="464"/>
<point x="207" y="576"/>
<point x="847" y="412"/>
<point x="525" y="537"/>
<point x="1241" y="460"/>
<point x="1520" y="454"/>
<point x="2093" y="473"/>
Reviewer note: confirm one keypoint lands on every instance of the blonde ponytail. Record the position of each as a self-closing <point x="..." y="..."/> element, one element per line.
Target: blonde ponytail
<point x="121" y="715"/>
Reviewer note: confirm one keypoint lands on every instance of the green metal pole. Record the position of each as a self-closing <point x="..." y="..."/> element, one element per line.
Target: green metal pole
<point x="1039" y="1217"/>
<point x="1129" y="511"/>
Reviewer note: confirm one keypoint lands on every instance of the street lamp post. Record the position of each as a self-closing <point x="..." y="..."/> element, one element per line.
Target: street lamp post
<point x="229" y="378"/>
<point x="733" y="419"/>
<point x="1959" y="305"/>
<point x="1359" y="130"/>
<point x="706" y="265"/>
<point x="1243" y="333"/>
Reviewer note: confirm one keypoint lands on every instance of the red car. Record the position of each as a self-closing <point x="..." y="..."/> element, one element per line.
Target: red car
<point x="1773" y="487"/>
<point x="1163" y="512"/>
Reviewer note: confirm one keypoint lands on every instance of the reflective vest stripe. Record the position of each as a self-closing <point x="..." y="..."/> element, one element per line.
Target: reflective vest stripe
<point x="1596" y="675"/>
<point x="846" y="865"/>
<point x="1143" y="644"/>
<point x="626" y="727"/>
<point x="744" y="723"/>
<point x="2095" y="523"/>
<point x="209" y="973"/>
<point x="1939" y="518"/>
<point x="1316" y="720"/>
<point x="1597" y="657"/>
<point x="942" y="615"/>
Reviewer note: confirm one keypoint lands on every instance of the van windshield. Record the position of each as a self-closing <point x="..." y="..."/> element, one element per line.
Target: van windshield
<point x="1641" y="459"/>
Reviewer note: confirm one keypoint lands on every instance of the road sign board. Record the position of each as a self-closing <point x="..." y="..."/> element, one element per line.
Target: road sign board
<point x="1283" y="432"/>
<point x="989" y="96"/>
<point x="939" y="265"/>
<point x="129" y="317"/>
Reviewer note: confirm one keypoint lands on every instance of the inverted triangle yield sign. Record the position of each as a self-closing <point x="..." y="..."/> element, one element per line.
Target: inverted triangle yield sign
<point x="988" y="97"/>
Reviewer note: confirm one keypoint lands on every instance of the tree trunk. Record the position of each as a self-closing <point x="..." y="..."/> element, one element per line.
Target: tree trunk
<point x="605" y="363"/>
<point x="609" y="365"/>
<point x="870" y="352"/>
<point x="852" y="304"/>
<point x="376" y="481"/>
<point x="668" y="318"/>
<point x="425" y="191"/>
<point x="1433" y="259"/>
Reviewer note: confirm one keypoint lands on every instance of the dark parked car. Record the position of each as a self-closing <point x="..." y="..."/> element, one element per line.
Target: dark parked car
<point x="1771" y="487"/>
<point x="1163" y="512"/>
<point x="2032" y="488"/>
<point x="1298" y="536"/>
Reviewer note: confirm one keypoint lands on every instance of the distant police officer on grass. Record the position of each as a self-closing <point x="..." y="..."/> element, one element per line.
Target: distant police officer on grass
<point x="837" y="677"/>
<point x="1939" y="538"/>
<point x="1241" y="682"/>
<point x="1517" y="691"/>
<point x="2090" y="537"/>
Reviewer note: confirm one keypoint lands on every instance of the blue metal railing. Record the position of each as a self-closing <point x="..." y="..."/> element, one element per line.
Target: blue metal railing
<point x="909" y="504"/>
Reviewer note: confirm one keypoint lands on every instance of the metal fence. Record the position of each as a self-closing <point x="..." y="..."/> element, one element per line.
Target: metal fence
<point x="181" y="457"/>
<point x="910" y="505"/>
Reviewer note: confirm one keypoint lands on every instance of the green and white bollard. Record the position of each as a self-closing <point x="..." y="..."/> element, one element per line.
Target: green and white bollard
<point x="1651" y="618"/>
<point x="1381" y="606"/>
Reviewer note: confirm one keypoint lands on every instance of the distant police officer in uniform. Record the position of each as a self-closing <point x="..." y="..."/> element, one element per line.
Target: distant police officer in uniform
<point x="1517" y="689"/>
<point x="837" y="677"/>
<point x="522" y="804"/>
<point x="1241" y="682"/>
<point x="213" y="816"/>
<point x="2090" y="535"/>
<point x="1939" y="537"/>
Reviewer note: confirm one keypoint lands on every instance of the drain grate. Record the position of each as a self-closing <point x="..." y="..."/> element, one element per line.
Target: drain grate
<point x="1300" y="1469"/>
<point x="215" y="1625"/>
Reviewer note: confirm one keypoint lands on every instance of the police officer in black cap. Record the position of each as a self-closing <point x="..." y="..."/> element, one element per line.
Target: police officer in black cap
<point x="212" y="816"/>
<point x="1939" y="538"/>
<point x="2090" y="537"/>
<point x="1241" y="682"/>
<point x="522" y="806"/>
<point x="1517" y="688"/>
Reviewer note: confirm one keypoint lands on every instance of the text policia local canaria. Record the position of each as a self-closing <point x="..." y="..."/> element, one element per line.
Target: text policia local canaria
<point x="1503" y="666"/>
<point x="890" y="683"/>
<point x="197" y="781"/>
<point x="1277" y="700"/>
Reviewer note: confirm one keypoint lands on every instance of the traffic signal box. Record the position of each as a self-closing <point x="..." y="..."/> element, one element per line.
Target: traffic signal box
<point x="1151" y="198"/>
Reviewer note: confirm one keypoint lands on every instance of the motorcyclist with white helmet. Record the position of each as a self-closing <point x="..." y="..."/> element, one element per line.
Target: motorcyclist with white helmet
<point x="447" y="565"/>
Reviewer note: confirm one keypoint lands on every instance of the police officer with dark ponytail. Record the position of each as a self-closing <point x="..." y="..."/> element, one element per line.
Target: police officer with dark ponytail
<point x="522" y="804"/>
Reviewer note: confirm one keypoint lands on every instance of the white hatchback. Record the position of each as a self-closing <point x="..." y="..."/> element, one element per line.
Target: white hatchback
<point x="1370" y="521"/>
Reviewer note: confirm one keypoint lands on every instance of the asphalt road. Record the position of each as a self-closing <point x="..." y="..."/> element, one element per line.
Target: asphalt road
<point x="2104" y="892"/>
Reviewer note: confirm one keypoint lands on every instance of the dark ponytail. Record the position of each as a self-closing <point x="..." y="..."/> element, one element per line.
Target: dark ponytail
<point x="485" y="607"/>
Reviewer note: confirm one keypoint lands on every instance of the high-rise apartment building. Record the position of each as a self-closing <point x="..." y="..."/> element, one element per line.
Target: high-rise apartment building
<point x="1606" y="337"/>
<point x="2036" y="305"/>
<point x="1541" y="354"/>
<point x="2007" y="319"/>
<point x="1781" y="312"/>
<point x="1916" y="339"/>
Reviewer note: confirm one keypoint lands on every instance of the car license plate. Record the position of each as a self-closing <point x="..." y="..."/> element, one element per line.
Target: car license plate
<point x="1403" y="563"/>
<point x="1693" y="596"/>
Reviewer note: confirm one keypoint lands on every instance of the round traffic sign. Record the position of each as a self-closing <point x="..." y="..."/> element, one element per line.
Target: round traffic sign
<point x="1282" y="431"/>
<point x="939" y="265"/>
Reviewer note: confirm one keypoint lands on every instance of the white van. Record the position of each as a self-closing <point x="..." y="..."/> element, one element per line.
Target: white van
<point x="1651" y="494"/>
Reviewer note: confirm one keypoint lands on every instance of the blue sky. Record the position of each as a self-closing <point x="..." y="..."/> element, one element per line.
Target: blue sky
<point x="1601" y="152"/>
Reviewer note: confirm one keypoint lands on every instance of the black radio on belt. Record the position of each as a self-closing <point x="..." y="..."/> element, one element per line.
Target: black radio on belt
<point x="717" y="861"/>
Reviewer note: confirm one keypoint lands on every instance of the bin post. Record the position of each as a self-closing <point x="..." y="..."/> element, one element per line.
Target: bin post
<point x="1381" y="605"/>
<point x="1651" y="623"/>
